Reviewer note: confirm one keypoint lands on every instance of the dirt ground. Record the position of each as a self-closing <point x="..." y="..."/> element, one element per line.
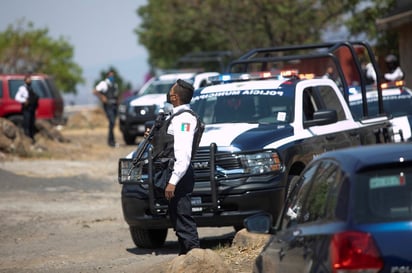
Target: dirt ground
<point x="60" y="211"/>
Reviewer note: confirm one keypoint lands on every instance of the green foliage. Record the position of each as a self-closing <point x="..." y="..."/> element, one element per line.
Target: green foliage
<point x="362" y="21"/>
<point x="170" y="29"/>
<point x="24" y="49"/>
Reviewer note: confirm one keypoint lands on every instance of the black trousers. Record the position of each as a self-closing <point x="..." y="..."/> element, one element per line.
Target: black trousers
<point x="111" y="114"/>
<point x="180" y="213"/>
<point x="29" y="118"/>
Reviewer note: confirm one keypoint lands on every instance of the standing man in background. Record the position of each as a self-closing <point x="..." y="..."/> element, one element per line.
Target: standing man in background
<point x="29" y="101"/>
<point x="108" y="93"/>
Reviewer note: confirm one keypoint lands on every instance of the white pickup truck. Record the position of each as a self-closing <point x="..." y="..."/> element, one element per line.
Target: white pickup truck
<point x="135" y="111"/>
<point x="261" y="130"/>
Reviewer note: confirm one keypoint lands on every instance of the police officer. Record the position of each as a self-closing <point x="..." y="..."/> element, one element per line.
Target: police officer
<point x="29" y="100"/>
<point x="177" y="139"/>
<point x="395" y="72"/>
<point x="108" y="93"/>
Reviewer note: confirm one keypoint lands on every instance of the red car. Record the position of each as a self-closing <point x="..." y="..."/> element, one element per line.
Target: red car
<point x="51" y="104"/>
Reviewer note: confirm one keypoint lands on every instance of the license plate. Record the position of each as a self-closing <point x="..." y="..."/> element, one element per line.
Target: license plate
<point x="196" y="201"/>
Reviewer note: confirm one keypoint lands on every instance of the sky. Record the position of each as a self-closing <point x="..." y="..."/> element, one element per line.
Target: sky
<point x="100" y="31"/>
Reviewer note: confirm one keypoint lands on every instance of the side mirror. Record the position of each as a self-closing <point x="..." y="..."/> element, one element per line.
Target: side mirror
<point x="259" y="223"/>
<point x="322" y="117"/>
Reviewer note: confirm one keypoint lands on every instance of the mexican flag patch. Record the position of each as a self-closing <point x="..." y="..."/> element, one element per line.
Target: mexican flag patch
<point x="185" y="127"/>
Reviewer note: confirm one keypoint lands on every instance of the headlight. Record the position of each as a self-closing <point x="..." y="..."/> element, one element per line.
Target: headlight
<point x="262" y="162"/>
<point x="122" y="108"/>
<point x="131" y="111"/>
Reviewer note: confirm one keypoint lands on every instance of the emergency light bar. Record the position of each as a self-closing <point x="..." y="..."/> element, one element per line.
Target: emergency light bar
<point x="384" y="87"/>
<point x="237" y="77"/>
<point x="387" y="85"/>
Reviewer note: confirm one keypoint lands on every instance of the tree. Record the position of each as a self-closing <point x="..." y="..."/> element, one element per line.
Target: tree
<point x="362" y="22"/>
<point x="170" y="29"/>
<point x="25" y="49"/>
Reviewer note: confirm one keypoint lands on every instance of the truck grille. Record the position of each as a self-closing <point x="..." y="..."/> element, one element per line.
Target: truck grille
<point x="224" y="160"/>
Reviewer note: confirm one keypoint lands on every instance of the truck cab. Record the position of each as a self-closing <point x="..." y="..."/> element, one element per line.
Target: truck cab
<point x="261" y="129"/>
<point x="135" y="111"/>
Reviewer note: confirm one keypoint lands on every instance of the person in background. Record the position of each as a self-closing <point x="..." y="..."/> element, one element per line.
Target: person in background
<point x="108" y="93"/>
<point x="29" y="101"/>
<point x="329" y="73"/>
<point x="369" y="73"/>
<point x="395" y="72"/>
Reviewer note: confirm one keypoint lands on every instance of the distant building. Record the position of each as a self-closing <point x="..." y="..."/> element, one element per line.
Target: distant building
<point x="400" y="20"/>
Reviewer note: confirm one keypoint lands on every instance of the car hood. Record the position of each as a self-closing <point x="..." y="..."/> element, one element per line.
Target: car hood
<point x="158" y="99"/>
<point x="244" y="136"/>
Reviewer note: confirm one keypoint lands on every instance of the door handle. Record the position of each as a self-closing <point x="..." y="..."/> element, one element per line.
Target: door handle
<point x="330" y="137"/>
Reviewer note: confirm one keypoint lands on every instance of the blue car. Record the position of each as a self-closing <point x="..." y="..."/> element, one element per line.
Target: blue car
<point x="349" y="211"/>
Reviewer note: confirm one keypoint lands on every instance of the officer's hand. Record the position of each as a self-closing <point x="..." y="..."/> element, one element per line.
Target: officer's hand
<point x="146" y="134"/>
<point x="170" y="191"/>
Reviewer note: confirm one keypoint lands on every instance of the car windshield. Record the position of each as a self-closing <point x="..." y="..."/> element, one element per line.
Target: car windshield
<point x="396" y="105"/>
<point x="245" y="106"/>
<point x="37" y="85"/>
<point x="162" y="86"/>
<point x="158" y="87"/>
<point x="384" y="195"/>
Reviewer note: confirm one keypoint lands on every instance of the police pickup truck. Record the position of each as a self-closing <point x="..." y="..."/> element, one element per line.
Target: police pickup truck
<point x="261" y="130"/>
<point x="397" y="102"/>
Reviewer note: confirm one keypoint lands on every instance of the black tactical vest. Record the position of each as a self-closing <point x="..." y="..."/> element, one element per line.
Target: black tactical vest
<point x="163" y="142"/>
<point x="111" y="93"/>
<point x="33" y="99"/>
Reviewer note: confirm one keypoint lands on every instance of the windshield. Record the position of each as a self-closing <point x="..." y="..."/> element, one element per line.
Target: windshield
<point x="245" y="106"/>
<point x="395" y="105"/>
<point x="158" y="87"/>
<point x="384" y="195"/>
<point x="37" y="85"/>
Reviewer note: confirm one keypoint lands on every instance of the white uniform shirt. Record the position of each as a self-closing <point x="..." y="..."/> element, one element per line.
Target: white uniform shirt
<point x="396" y="75"/>
<point x="370" y="72"/>
<point x="103" y="86"/>
<point x="182" y="127"/>
<point x="22" y="94"/>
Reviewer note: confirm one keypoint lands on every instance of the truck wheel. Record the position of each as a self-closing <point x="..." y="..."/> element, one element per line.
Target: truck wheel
<point x="148" y="238"/>
<point x="129" y="139"/>
<point x="17" y="120"/>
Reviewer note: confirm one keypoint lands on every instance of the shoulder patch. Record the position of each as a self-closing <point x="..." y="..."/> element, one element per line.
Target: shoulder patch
<point x="185" y="127"/>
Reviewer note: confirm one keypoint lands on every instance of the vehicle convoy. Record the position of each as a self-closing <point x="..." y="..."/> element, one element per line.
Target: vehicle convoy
<point x="261" y="129"/>
<point x="135" y="111"/>
<point x="397" y="102"/>
<point x="50" y="105"/>
<point x="351" y="211"/>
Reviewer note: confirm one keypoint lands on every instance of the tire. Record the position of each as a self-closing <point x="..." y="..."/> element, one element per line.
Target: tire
<point x="238" y="227"/>
<point x="148" y="238"/>
<point x="17" y="120"/>
<point x="129" y="139"/>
